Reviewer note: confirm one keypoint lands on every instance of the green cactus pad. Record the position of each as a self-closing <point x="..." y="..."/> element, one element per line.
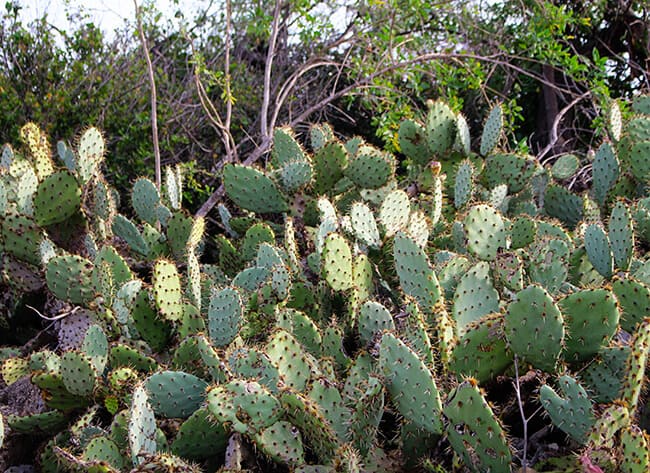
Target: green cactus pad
<point x="364" y="225"/>
<point x="571" y="413"/>
<point x="548" y="261"/>
<point x="296" y="175"/>
<point x="410" y="384"/>
<point x="55" y="393"/>
<point x="252" y="190"/>
<point x="153" y="329"/>
<point x="57" y="198"/>
<point x="39" y="149"/>
<point x="440" y="128"/>
<point x="603" y="377"/>
<point x="145" y="200"/>
<point x="245" y="406"/>
<point x="638" y="157"/>
<point x="302" y="328"/>
<point x="174" y="186"/>
<point x="370" y="168"/>
<point x="70" y="279"/>
<point x="485" y="232"/>
<point x="249" y="363"/>
<point x="415" y="274"/>
<point x="635" y="367"/>
<point x="563" y="205"/>
<point x="336" y="262"/>
<point x="366" y="416"/>
<point x="565" y="166"/>
<point x="474" y="431"/>
<point x="475" y="296"/>
<point x="605" y="172"/>
<point x="285" y="148"/>
<point x="175" y="393"/>
<point x="78" y="373"/>
<point x="142" y="426"/>
<point x="123" y="355"/>
<point x="463" y="184"/>
<point x="592" y="319"/>
<point x="508" y="271"/>
<point x="104" y="451"/>
<point x="127" y="231"/>
<point x="286" y="353"/>
<point x="330" y="162"/>
<point x="394" y="212"/>
<point x="211" y="360"/>
<point x="481" y="352"/>
<point x="413" y="142"/>
<point x="199" y="437"/>
<point x="307" y="415"/>
<point x="621" y="236"/>
<point x="492" y="129"/>
<point x="513" y="170"/>
<point x="90" y="153"/>
<point x="21" y="238"/>
<point x="634" y="299"/>
<point x="373" y="318"/>
<point x="95" y="347"/>
<point x="599" y="250"/>
<point x="255" y="236"/>
<point x="320" y="135"/>
<point x="167" y="290"/>
<point x="636" y="454"/>
<point x="282" y="442"/>
<point x="224" y="316"/>
<point x="534" y="328"/>
<point x="45" y="422"/>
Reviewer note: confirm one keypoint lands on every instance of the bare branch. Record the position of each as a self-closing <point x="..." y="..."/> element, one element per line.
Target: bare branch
<point x="268" y="69"/>
<point x="154" y="109"/>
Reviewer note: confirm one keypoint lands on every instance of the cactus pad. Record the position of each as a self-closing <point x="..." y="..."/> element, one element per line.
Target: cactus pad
<point x="57" y="198"/>
<point x="252" y="190"/>
<point x="572" y="413"/>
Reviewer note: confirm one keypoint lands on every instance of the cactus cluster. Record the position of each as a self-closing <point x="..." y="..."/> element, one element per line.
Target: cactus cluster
<point x="351" y="318"/>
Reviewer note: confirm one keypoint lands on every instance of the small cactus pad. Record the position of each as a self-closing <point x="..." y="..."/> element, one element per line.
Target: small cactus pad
<point x="224" y="316"/>
<point x="245" y="406"/>
<point x="492" y="129"/>
<point x="199" y="437"/>
<point x="57" y="198"/>
<point x="282" y="442"/>
<point x="481" y="352"/>
<point x="415" y="274"/>
<point x="252" y="189"/>
<point x="287" y="355"/>
<point x="565" y="166"/>
<point x="167" y="290"/>
<point x="394" y="212"/>
<point x="592" y="319"/>
<point x="636" y="452"/>
<point x="474" y="431"/>
<point x="336" y="262"/>
<point x="571" y="413"/>
<point x="410" y="384"/>
<point x="142" y="426"/>
<point x="413" y="142"/>
<point x="634" y="299"/>
<point x="370" y="168"/>
<point x="364" y="225"/>
<point x="534" y="328"/>
<point x="621" y="236"/>
<point x="485" y="232"/>
<point x="329" y="163"/>
<point x="373" y="318"/>
<point x="599" y="250"/>
<point x="90" y="153"/>
<point x="70" y="278"/>
<point x="475" y="296"/>
<point x="441" y="128"/>
<point x="463" y="185"/>
<point x="605" y="172"/>
<point x="175" y="393"/>
<point x="513" y="170"/>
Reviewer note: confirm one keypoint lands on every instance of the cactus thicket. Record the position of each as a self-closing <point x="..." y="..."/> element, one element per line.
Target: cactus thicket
<point x="358" y="313"/>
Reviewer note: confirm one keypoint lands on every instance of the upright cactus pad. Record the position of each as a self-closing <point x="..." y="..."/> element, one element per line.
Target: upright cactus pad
<point x="90" y="153"/>
<point x="475" y="296"/>
<point x="605" y="172"/>
<point x="513" y="170"/>
<point x="634" y="299"/>
<point x="174" y="394"/>
<point x="485" y="231"/>
<point x="370" y="168"/>
<point x="463" y="184"/>
<point x="571" y="413"/>
<point x="224" y="316"/>
<point x="70" y="279"/>
<point x="599" y="250"/>
<point x="364" y="225"/>
<point x="253" y="190"/>
<point x="492" y="129"/>
<point x="167" y="290"/>
<point x="410" y="384"/>
<point x="415" y="274"/>
<point x="145" y="199"/>
<point x="336" y="263"/>
<point x="288" y="356"/>
<point x="474" y="431"/>
<point x="534" y="328"/>
<point x="592" y="318"/>
<point x="413" y="142"/>
<point x="441" y="128"/>
<point x="621" y="236"/>
<point x="329" y="164"/>
<point x="394" y="212"/>
<point x="57" y="198"/>
<point x="373" y="318"/>
<point x="142" y="426"/>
